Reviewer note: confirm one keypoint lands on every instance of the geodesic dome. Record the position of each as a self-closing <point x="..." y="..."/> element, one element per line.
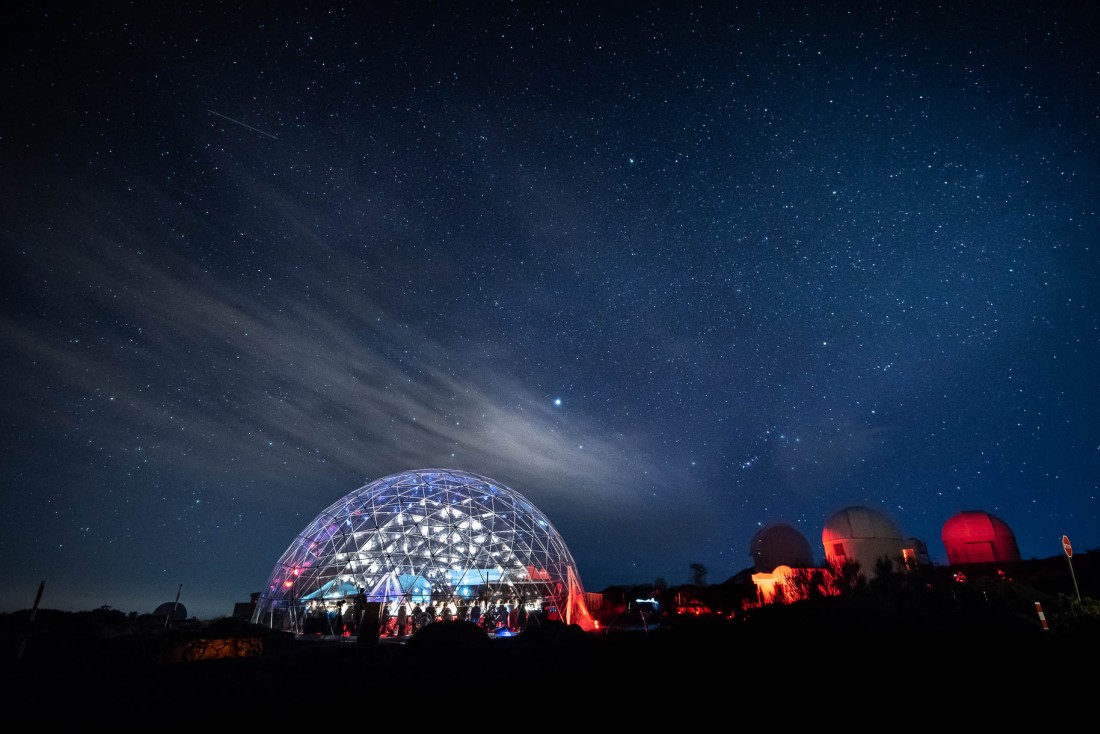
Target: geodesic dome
<point x="431" y="538"/>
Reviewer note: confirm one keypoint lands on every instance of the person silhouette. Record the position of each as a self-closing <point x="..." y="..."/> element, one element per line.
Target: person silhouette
<point x="402" y="620"/>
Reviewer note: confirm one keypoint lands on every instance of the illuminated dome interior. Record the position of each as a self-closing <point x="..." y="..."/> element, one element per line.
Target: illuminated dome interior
<point x="426" y="537"/>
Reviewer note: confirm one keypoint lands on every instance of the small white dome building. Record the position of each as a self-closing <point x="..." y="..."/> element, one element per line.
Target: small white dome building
<point x="865" y="536"/>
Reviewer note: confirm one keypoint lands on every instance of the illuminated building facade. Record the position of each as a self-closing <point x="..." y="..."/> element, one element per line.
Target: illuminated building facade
<point x="776" y="550"/>
<point x="863" y="535"/>
<point x="973" y="536"/>
<point x="443" y="543"/>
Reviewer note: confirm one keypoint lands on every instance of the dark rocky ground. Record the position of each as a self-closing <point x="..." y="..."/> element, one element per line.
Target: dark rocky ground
<point x="921" y="650"/>
<point x="792" y="663"/>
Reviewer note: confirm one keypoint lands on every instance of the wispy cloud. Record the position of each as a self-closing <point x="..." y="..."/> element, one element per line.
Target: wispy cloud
<point x="219" y="377"/>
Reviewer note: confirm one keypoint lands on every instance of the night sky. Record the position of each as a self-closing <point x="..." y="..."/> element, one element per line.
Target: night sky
<point x="673" y="272"/>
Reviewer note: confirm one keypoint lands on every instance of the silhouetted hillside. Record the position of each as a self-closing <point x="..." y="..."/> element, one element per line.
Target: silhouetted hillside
<point x="873" y="637"/>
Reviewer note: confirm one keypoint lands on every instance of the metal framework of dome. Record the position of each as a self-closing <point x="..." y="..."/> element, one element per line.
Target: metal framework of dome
<point x="428" y="536"/>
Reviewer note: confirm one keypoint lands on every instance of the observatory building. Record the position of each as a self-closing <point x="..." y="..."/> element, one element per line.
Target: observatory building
<point x="172" y="611"/>
<point x="779" y="545"/>
<point x="865" y="536"/>
<point x="777" y="550"/>
<point x="973" y="536"/>
<point x="438" y="542"/>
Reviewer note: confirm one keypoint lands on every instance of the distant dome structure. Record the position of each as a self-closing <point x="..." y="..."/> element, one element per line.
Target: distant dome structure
<point x="863" y="535"/>
<point x="779" y="544"/>
<point x="920" y="550"/>
<point x="171" y="610"/>
<point x="974" y="536"/>
<point x="439" y="537"/>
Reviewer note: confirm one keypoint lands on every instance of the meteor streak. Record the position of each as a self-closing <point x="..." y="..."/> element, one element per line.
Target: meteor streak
<point x="255" y="130"/>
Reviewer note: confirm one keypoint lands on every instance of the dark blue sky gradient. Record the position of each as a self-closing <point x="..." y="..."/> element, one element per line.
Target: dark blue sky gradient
<point x="775" y="259"/>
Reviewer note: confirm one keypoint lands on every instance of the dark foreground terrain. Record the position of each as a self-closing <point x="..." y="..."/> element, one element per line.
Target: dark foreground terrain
<point x="790" y="666"/>
<point x="916" y="650"/>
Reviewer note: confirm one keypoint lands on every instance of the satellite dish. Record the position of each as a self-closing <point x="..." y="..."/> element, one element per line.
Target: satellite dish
<point x="171" y="610"/>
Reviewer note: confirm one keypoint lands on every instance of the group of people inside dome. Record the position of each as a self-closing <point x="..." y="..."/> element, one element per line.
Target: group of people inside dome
<point x="405" y="618"/>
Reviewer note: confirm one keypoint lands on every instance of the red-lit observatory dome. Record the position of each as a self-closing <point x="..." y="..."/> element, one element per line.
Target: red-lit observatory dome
<point x="973" y="536"/>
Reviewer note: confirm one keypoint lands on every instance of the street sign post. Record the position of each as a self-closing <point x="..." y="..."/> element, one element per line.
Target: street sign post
<point x="1069" y="559"/>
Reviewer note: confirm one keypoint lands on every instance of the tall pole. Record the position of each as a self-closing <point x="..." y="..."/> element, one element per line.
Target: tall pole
<point x="172" y="616"/>
<point x="30" y="620"/>
<point x="1074" y="577"/>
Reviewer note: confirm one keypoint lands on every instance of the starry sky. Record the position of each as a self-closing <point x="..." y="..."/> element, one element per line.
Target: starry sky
<point x="672" y="271"/>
